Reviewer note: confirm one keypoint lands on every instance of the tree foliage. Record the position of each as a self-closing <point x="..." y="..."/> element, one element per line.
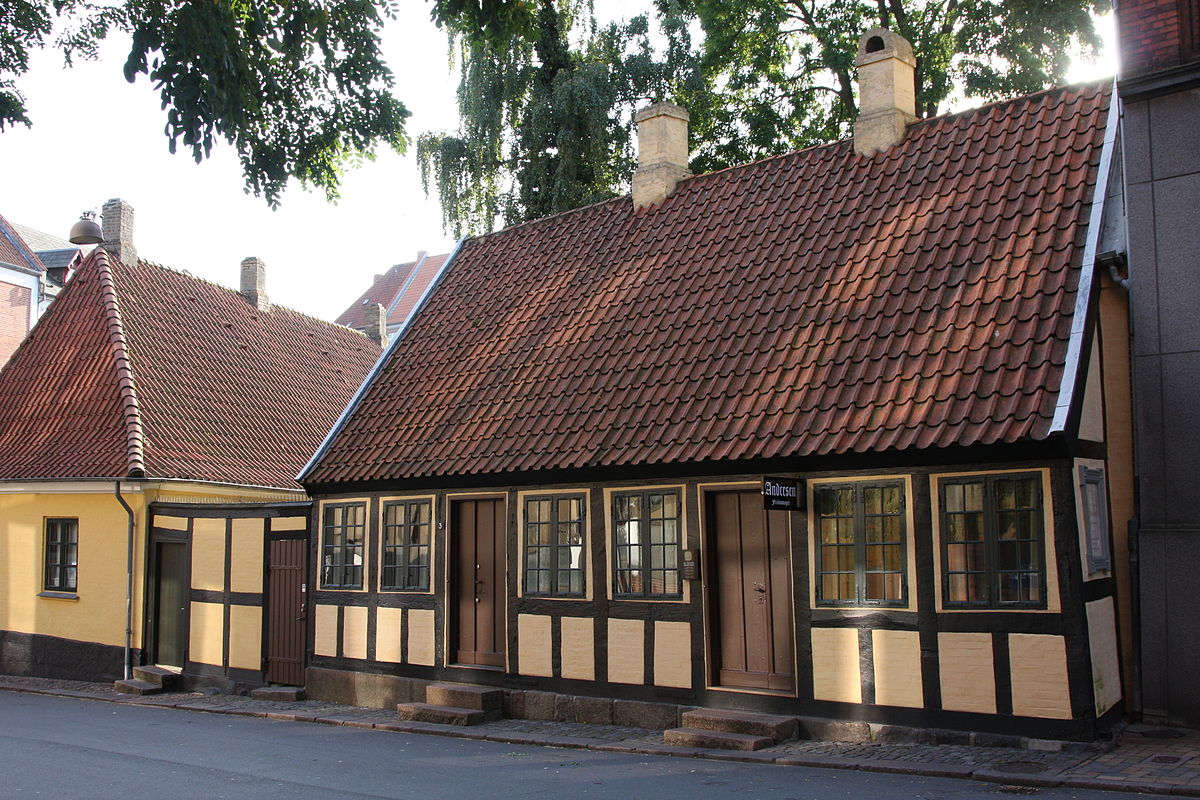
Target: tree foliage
<point x="546" y="119"/>
<point x="298" y="88"/>
<point x="787" y="68"/>
<point x="546" y="123"/>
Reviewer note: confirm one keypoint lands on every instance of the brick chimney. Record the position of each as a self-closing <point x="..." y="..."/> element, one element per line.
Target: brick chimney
<point x="375" y="324"/>
<point x="887" y="99"/>
<point x="254" y="282"/>
<point x="116" y="226"/>
<point x="662" y="152"/>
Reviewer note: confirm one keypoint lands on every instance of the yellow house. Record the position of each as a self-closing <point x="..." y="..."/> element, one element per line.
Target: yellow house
<point x="151" y="426"/>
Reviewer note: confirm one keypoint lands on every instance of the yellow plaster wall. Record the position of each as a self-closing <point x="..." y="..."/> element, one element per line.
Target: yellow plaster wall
<point x="388" y="634"/>
<point x="578" y="648"/>
<point x="534" y="645"/>
<point x="246" y="558"/>
<point x="626" y="651"/>
<point x="836" y="672"/>
<point x="897" y="658"/>
<point x="673" y="654"/>
<point x="289" y="524"/>
<point x="354" y="631"/>
<point x="1102" y="641"/>
<point x="245" y="637"/>
<point x="422" y="647"/>
<point x="98" y="615"/>
<point x="968" y="672"/>
<point x="325" y="632"/>
<point x="1038" y="665"/>
<point x="1091" y="420"/>
<point x="208" y="554"/>
<point x="170" y="523"/>
<point x="206" y="633"/>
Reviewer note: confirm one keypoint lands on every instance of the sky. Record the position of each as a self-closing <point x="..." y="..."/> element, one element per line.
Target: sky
<point x="96" y="137"/>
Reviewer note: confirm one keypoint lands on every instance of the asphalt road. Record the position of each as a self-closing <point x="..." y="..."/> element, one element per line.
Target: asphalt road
<point x="66" y="748"/>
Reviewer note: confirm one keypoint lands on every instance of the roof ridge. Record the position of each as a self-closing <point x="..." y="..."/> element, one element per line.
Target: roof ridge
<point x="135" y="442"/>
<point x="165" y="268"/>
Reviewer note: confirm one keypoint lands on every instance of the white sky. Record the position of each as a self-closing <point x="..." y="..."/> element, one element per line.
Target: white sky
<point x="95" y="137"/>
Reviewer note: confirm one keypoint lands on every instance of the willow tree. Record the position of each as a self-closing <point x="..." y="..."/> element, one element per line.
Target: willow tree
<point x="546" y="119"/>
<point x="787" y="69"/>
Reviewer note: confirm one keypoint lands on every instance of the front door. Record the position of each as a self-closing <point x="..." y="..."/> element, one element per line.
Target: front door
<point x="479" y="585"/>
<point x="286" y="611"/>
<point x="170" y="603"/>
<point x="750" y="600"/>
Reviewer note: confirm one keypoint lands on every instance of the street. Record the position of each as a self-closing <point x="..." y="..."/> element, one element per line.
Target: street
<point x="59" y="747"/>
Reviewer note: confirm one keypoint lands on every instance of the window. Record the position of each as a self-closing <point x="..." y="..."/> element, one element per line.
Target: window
<point x="62" y="554"/>
<point x="554" y="546"/>
<point x="406" y="531"/>
<point x="343" y="531"/>
<point x="646" y="544"/>
<point x="860" y="559"/>
<point x="1095" y="518"/>
<point x="992" y="542"/>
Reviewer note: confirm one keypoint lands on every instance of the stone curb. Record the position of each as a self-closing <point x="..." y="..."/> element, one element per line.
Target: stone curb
<point x="925" y="769"/>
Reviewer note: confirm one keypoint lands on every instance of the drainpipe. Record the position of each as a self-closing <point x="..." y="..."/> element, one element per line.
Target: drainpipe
<point x="128" y="579"/>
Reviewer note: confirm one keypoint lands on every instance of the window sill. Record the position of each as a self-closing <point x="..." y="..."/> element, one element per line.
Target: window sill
<point x="59" y="595"/>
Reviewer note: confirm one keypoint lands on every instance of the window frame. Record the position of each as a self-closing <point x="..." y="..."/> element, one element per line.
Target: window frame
<point x="860" y="545"/>
<point x="326" y="529"/>
<point x="1093" y="500"/>
<point x="60" y="568"/>
<point x="644" y="559"/>
<point x="991" y="571"/>
<point x="404" y="565"/>
<point x="554" y="546"/>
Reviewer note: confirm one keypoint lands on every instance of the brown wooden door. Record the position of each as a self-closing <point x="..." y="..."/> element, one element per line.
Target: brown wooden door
<point x="171" y="603"/>
<point x="750" y="593"/>
<point x="479" y="586"/>
<point x="286" y="611"/>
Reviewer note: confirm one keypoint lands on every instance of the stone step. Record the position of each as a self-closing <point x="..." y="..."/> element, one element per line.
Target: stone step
<point x="771" y="726"/>
<point x="716" y="740"/>
<point x="443" y="715"/>
<point x="279" y="694"/>
<point x="136" y="686"/>
<point x="463" y="695"/>
<point x="160" y="677"/>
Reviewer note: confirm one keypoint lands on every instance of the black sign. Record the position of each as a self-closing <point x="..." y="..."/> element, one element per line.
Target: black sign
<point x="782" y="494"/>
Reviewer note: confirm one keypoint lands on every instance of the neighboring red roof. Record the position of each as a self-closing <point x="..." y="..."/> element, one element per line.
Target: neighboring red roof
<point x="815" y="303"/>
<point x="145" y="370"/>
<point x="15" y="251"/>
<point x="397" y="290"/>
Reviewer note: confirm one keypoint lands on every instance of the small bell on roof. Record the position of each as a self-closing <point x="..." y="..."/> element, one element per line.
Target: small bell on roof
<point x="86" y="230"/>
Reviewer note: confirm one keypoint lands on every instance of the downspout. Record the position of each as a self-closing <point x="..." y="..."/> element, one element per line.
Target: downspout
<point x="128" y="578"/>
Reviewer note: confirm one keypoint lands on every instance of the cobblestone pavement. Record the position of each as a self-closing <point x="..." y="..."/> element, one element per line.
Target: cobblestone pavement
<point x="1147" y="759"/>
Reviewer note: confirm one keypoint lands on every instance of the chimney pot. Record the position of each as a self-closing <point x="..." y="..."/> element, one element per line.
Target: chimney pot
<point x="375" y="324"/>
<point x="662" y="131"/>
<point x="116" y="226"/>
<point x="254" y="282"/>
<point x="887" y="101"/>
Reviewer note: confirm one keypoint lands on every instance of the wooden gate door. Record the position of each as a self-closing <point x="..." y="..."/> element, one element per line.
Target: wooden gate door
<point x="286" y="611"/>
<point x="479" y="584"/>
<point x="750" y="597"/>
<point x="171" y="594"/>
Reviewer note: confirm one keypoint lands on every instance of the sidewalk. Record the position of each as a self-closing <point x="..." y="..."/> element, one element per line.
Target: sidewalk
<point x="1147" y="759"/>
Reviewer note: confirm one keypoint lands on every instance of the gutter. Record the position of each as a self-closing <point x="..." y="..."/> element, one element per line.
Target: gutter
<point x="1083" y="294"/>
<point x="352" y="406"/>
<point x="128" y="579"/>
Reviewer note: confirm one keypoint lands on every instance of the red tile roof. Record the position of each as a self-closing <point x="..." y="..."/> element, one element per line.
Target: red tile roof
<point x="815" y="303"/>
<point x="145" y="370"/>
<point x="15" y="251"/>
<point x="397" y="290"/>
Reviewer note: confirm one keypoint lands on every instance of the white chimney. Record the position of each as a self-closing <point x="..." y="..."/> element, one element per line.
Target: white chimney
<point x="375" y="324"/>
<point x="116" y="226"/>
<point x="254" y="282"/>
<point x="662" y="152"/>
<point x="887" y="99"/>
